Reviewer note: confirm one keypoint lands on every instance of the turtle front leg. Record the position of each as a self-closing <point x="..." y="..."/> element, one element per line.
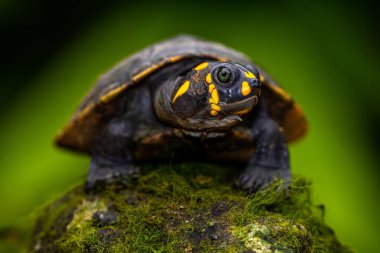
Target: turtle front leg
<point x="271" y="158"/>
<point x="112" y="155"/>
<point x="105" y="171"/>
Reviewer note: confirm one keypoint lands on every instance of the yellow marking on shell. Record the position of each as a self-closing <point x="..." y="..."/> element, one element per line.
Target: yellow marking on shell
<point x="175" y="58"/>
<point x="111" y="94"/>
<point x="244" y="111"/>
<point x="208" y="78"/>
<point x="245" y="88"/>
<point x="221" y="59"/>
<point x="215" y="96"/>
<point x="249" y="74"/>
<point x="280" y="91"/>
<point x="215" y="107"/>
<point x="185" y="86"/>
<point x="201" y="66"/>
<point x="262" y="78"/>
<point x="146" y="72"/>
<point x="85" y="112"/>
<point x="213" y="112"/>
<point x="211" y="87"/>
<point x="153" y="68"/>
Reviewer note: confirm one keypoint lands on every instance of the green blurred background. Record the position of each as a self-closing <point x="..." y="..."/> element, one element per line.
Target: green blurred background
<point x="324" y="53"/>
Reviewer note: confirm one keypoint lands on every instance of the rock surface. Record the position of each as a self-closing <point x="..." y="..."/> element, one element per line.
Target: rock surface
<point x="188" y="208"/>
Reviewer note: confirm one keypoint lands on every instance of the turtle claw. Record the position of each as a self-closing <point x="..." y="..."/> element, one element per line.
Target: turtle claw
<point x="257" y="178"/>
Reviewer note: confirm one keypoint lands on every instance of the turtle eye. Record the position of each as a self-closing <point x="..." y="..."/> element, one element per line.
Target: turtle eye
<point x="224" y="75"/>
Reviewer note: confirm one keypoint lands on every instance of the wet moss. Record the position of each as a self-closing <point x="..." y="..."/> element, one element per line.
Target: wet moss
<point x="185" y="208"/>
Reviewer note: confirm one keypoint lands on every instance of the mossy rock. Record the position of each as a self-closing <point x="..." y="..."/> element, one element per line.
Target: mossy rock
<point x="185" y="208"/>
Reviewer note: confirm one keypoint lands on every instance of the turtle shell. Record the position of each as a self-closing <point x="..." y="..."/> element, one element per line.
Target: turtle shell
<point x="99" y="104"/>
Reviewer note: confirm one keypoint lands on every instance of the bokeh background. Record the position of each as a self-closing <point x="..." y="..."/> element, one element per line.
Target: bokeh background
<point x="324" y="53"/>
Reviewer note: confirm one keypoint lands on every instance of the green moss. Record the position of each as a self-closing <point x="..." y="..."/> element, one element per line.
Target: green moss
<point x="187" y="208"/>
<point x="51" y="225"/>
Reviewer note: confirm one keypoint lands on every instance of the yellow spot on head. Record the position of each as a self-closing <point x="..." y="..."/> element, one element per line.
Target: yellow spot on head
<point x="215" y="96"/>
<point x="213" y="112"/>
<point x="181" y="90"/>
<point x="249" y="74"/>
<point x="214" y="100"/>
<point x="208" y="78"/>
<point x="211" y="87"/>
<point x="215" y="107"/>
<point x="245" y="88"/>
<point x="201" y="66"/>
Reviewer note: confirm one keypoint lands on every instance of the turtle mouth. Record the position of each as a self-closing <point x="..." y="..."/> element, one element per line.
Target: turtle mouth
<point x="242" y="105"/>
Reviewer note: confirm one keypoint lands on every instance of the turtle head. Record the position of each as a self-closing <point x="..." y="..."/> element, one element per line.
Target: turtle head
<point x="216" y="90"/>
<point x="210" y="96"/>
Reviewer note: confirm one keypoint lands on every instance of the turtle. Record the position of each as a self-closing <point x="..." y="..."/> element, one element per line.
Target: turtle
<point x="186" y="98"/>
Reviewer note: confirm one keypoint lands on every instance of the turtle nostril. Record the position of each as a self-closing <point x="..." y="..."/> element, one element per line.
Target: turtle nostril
<point x="255" y="83"/>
